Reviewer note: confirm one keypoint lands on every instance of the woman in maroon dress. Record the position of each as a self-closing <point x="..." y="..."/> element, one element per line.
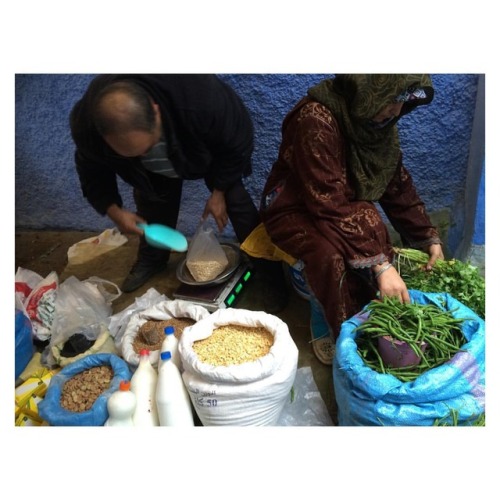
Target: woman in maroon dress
<point x="340" y="160"/>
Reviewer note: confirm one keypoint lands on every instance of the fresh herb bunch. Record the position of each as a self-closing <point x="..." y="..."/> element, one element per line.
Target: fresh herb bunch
<point x="414" y="324"/>
<point x="461" y="280"/>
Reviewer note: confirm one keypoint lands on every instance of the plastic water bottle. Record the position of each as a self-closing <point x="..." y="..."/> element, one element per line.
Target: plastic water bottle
<point x="143" y="385"/>
<point x="172" y="398"/>
<point x="121" y="406"/>
<point x="171" y="344"/>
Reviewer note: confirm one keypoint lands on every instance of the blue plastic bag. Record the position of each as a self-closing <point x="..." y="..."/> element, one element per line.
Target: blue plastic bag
<point x="24" y="342"/>
<point x="366" y="397"/>
<point x="50" y="408"/>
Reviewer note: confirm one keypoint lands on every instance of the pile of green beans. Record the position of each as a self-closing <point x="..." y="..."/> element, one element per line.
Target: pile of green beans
<point x="414" y="324"/>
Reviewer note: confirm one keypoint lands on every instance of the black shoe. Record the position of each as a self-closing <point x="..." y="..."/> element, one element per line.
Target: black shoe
<point x="275" y="293"/>
<point x="275" y="296"/>
<point x="140" y="273"/>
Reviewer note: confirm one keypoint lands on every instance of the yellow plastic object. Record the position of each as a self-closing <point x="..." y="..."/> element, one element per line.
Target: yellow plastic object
<point x="259" y="245"/>
<point x="29" y="394"/>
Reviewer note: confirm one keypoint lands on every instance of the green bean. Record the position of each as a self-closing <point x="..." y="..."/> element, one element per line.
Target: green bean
<point x="381" y="363"/>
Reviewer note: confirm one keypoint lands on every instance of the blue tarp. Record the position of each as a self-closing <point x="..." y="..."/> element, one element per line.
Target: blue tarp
<point x="366" y="397"/>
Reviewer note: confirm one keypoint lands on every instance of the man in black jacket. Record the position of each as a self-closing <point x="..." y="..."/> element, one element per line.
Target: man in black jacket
<point x="154" y="131"/>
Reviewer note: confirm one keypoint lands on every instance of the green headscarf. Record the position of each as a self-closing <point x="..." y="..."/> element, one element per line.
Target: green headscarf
<point x="354" y="100"/>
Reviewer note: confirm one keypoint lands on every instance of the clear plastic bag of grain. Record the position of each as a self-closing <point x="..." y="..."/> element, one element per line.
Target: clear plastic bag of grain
<point x="239" y="367"/>
<point x="206" y="258"/>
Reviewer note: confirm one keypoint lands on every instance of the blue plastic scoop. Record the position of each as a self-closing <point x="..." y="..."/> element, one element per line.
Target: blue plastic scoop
<point x="160" y="236"/>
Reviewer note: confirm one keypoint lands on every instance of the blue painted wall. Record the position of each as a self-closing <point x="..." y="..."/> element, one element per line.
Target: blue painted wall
<point x="479" y="232"/>
<point x="435" y="141"/>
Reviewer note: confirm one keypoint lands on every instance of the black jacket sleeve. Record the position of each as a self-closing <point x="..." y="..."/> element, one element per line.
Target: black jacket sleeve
<point x="209" y="135"/>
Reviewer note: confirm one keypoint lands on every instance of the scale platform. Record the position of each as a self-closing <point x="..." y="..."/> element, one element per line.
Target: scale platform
<point x="221" y="296"/>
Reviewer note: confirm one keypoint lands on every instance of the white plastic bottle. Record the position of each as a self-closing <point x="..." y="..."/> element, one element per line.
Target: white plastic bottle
<point x="171" y="344"/>
<point x="143" y="385"/>
<point x="172" y="398"/>
<point x="121" y="406"/>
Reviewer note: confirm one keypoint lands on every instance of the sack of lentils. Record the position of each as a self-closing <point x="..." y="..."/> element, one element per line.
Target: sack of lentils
<point x="239" y="367"/>
<point x="78" y="394"/>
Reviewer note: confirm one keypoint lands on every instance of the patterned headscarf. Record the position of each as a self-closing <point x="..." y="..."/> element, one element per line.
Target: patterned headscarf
<point x="354" y="100"/>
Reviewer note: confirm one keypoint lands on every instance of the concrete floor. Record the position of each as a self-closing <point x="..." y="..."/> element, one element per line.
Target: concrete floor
<point x="43" y="252"/>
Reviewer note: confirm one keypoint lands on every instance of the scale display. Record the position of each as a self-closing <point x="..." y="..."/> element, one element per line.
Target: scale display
<point x="219" y="296"/>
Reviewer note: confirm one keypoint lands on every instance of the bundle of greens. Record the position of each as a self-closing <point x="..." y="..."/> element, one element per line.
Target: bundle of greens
<point x="461" y="280"/>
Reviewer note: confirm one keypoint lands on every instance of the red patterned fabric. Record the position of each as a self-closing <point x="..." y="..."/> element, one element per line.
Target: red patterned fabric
<point x="310" y="211"/>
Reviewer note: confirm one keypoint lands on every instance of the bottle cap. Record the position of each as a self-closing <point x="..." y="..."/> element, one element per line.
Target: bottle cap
<point x="125" y="385"/>
<point x="165" y="355"/>
<point x="169" y="330"/>
<point x="144" y="352"/>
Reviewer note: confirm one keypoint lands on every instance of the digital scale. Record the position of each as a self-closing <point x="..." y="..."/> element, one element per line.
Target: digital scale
<point x="219" y="296"/>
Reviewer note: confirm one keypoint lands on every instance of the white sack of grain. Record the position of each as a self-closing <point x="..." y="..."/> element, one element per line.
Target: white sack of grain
<point x="247" y="394"/>
<point x="161" y="311"/>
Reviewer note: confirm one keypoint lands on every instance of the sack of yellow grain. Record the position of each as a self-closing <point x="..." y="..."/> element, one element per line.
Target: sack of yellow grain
<point x="239" y="367"/>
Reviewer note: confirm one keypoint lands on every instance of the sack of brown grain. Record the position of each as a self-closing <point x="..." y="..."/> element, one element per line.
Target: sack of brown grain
<point x="239" y="367"/>
<point x="145" y="329"/>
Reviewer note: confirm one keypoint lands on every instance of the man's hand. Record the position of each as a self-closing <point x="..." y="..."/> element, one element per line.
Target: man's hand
<point x="125" y="221"/>
<point x="216" y="206"/>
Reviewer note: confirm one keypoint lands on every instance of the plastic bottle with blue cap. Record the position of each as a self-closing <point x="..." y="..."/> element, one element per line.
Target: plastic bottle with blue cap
<point x="172" y="399"/>
<point x="170" y="343"/>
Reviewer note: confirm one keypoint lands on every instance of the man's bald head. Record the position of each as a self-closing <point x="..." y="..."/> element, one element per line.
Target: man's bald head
<point x="123" y="107"/>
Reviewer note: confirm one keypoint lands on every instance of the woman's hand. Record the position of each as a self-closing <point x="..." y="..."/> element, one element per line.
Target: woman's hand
<point x="216" y="206"/>
<point x="125" y="221"/>
<point x="390" y="283"/>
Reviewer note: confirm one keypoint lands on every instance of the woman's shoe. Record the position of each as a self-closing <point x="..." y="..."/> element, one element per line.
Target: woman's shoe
<point x="322" y="343"/>
<point x="324" y="349"/>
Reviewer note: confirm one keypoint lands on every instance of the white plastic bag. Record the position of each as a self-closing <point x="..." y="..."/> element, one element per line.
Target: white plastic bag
<point x="80" y="309"/>
<point x="92" y="247"/>
<point x="249" y="394"/>
<point x="38" y="296"/>
<point x="159" y="312"/>
<point x="305" y="407"/>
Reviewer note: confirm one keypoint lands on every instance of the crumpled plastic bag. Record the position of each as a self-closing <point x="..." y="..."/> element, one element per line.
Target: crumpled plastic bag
<point x="90" y="248"/>
<point x="305" y="407"/>
<point x="82" y="309"/>
<point x="38" y="298"/>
